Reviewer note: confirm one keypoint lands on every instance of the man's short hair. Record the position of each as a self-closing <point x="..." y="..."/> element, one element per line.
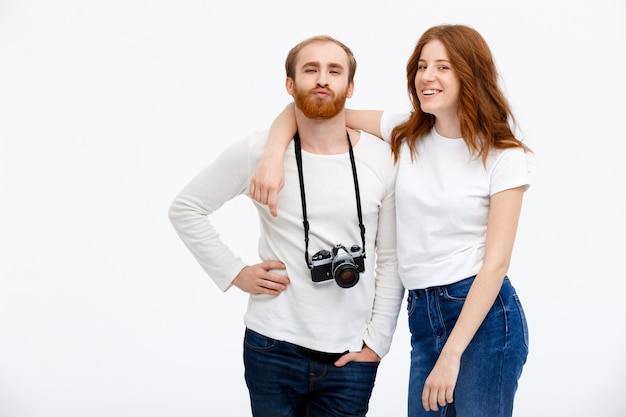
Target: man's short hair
<point x="290" y="62"/>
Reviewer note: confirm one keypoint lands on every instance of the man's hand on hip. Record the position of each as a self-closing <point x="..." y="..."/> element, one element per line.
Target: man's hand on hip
<point x="258" y="278"/>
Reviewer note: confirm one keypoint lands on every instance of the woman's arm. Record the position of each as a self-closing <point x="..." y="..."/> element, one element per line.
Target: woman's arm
<point x="268" y="177"/>
<point x="365" y="120"/>
<point x="505" y="208"/>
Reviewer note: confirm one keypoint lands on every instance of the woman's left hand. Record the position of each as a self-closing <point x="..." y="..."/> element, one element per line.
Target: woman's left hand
<point x="439" y="386"/>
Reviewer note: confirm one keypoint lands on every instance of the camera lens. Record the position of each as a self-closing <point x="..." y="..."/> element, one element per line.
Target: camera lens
<point x="346" y="275"/>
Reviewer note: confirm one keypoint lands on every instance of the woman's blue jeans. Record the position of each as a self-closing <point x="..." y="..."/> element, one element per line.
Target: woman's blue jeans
<point x="286" y="380"/>
<point x="490" y="366"/>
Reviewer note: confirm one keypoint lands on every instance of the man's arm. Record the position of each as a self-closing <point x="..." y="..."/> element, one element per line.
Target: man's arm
<point x="190" y="212"/>
<point x="389" y="289"/>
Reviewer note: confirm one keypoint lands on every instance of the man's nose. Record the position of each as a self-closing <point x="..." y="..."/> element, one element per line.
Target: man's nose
<point x="322" y="79"/>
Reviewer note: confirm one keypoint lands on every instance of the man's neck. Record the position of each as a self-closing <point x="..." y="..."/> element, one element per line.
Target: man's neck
<point x="323" y="136"/>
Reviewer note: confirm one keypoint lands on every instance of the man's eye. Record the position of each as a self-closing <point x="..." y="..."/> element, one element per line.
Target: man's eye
<point x="310" y="70"/>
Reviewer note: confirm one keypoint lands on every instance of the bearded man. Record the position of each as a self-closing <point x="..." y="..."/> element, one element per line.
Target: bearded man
<point x="324" y="300"/>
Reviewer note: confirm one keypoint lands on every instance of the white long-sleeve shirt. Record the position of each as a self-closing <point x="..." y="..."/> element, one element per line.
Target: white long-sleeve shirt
<point x="319" y="316"/>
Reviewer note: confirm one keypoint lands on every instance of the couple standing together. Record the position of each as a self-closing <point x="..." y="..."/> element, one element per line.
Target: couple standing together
<point x="349" y="221"/>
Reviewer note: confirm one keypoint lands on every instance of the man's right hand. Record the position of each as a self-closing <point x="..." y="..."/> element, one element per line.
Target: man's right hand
<point x="258" y="278"/>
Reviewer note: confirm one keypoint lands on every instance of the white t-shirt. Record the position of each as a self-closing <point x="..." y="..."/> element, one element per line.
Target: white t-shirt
<point x="320" y="316"/>
<point x="442" y="205"/>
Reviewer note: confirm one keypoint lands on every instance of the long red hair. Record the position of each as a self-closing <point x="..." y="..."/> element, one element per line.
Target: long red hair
<point x="487" y="121"/>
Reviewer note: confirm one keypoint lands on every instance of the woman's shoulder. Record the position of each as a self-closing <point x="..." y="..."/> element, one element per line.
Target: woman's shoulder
<point x="516" y="154"/>
<point x="389" y="120"/>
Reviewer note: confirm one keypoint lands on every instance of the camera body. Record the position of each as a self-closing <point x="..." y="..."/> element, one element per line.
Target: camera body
<point x="340" y="264"/>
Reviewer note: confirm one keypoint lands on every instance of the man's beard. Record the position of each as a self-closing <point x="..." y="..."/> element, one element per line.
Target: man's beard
<point x="314" y="108"/>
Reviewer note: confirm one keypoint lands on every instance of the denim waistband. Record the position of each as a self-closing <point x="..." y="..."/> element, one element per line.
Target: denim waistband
<point x="321" y="356"/>
<point x="462" y="282"/>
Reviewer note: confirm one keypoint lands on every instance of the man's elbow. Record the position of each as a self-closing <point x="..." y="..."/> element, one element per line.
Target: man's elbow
<point x="173" y="213"/>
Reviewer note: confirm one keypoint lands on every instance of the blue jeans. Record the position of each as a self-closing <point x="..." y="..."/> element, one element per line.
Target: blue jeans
<point x="490" y="366"/>
<point x="286" y="380"/>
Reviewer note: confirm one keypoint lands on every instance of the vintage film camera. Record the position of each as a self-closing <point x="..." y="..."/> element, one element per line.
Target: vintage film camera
<point x="340" y="264"/>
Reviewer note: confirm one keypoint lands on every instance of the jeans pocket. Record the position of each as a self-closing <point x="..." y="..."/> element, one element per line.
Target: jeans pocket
<point x="410" y="302"/>
<point x="522" y="315"/>
<point x="458" y="290"/>
<point x="258" y="342"/>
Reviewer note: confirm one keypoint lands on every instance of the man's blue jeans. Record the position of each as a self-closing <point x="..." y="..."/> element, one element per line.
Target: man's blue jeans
<point x="490" y="366"/>
<point x="286" y="380"/>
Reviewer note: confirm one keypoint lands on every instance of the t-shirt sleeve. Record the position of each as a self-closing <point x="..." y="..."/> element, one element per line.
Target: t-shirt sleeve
<point x="388" y="121"/>
<point x="510" y="170"/>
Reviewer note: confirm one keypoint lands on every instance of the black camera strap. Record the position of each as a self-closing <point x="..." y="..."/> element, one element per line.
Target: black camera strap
<point x="298" y="150"/>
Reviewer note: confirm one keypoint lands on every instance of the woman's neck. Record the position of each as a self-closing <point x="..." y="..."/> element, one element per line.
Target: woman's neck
<point x="448" y="127"/>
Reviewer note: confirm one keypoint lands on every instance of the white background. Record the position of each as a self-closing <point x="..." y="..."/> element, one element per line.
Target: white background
<point x="108" y="108"/>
